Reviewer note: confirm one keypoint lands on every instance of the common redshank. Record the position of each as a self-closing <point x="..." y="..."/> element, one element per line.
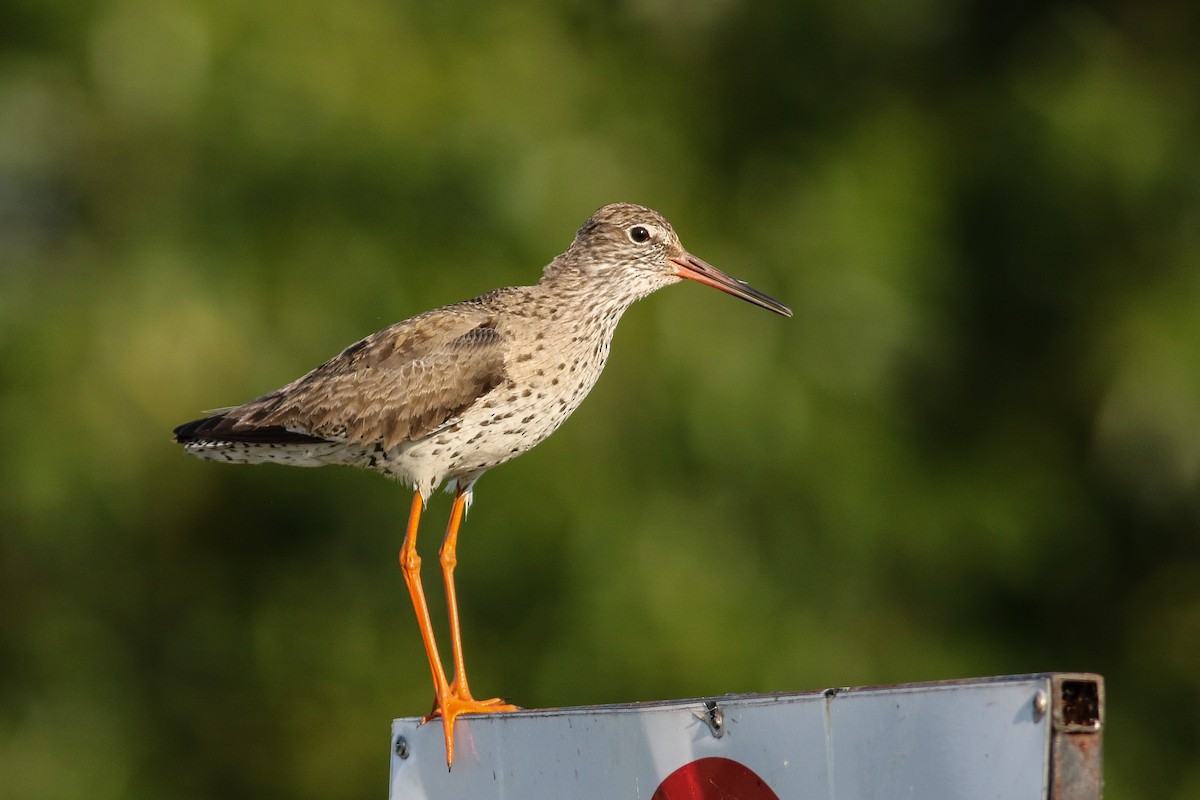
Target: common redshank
<point x="451" y="393"/>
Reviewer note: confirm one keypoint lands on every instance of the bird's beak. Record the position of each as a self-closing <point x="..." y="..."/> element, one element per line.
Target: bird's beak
<point x="688" y="266"/>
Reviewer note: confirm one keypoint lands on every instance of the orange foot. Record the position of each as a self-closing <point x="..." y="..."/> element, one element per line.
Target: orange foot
<point x="459" y="701"/>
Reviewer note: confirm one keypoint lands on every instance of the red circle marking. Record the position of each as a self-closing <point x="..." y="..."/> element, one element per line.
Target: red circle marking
<point x="714" y="778"/>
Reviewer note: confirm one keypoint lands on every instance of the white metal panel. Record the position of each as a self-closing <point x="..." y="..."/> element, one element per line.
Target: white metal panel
<point x="957" y="741"/>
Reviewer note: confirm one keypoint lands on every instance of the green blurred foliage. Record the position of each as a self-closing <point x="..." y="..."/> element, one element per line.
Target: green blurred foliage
<point x="975" y="450"/>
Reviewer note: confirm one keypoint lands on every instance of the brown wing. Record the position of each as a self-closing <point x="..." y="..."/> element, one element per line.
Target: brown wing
<point x="399" y="384"/>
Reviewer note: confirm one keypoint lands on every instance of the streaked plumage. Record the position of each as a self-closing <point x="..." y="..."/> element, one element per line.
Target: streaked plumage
<point x="453" y="392"/>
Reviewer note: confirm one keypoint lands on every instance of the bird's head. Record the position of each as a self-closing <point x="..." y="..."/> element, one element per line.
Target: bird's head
<point x="635" y="247"/>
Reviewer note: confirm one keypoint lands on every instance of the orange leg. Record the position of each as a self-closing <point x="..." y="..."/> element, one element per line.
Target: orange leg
<point x="458" y="699"/>
<point x="454" y="698"/>
<point x="410" y="565"/>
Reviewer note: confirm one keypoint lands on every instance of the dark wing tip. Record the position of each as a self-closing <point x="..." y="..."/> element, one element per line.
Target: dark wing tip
<point x="219" y="428"/>
<point x="187" y="431"/>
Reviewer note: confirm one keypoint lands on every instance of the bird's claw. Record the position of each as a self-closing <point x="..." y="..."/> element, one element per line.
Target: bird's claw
<point x="455" y="703"/>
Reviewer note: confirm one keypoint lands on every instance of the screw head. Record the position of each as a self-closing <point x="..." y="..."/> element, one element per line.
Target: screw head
<point x="401" y="747"/>
<point x="1039" y="706"/>
<point x="714" y="718"/>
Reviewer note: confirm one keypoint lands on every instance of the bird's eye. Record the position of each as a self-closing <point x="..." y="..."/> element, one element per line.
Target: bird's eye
<point x="638" y="234"/>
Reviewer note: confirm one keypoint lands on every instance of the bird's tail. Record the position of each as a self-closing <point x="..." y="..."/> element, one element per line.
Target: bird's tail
<point x="223" y="427"/>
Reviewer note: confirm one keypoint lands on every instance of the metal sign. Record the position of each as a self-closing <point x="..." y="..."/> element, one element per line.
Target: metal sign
<point x="1026" y="737"/>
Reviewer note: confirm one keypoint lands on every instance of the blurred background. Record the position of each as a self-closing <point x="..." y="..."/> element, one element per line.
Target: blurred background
<point x="974" y="451"/>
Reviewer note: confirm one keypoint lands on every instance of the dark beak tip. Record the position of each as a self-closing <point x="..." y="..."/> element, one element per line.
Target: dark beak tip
<point x="779" y="308"/>
<point x="701" y="271"/>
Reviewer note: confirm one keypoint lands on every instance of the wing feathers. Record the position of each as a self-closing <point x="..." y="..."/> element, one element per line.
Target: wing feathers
<point x="397" y="385"/>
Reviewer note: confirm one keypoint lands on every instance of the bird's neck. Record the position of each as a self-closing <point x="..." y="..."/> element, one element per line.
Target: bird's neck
<point x="574" y="290"/>
<point x="580" y="304"/>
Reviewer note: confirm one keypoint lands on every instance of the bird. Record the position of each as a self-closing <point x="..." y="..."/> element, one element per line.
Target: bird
<point x="442" y="397"/>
